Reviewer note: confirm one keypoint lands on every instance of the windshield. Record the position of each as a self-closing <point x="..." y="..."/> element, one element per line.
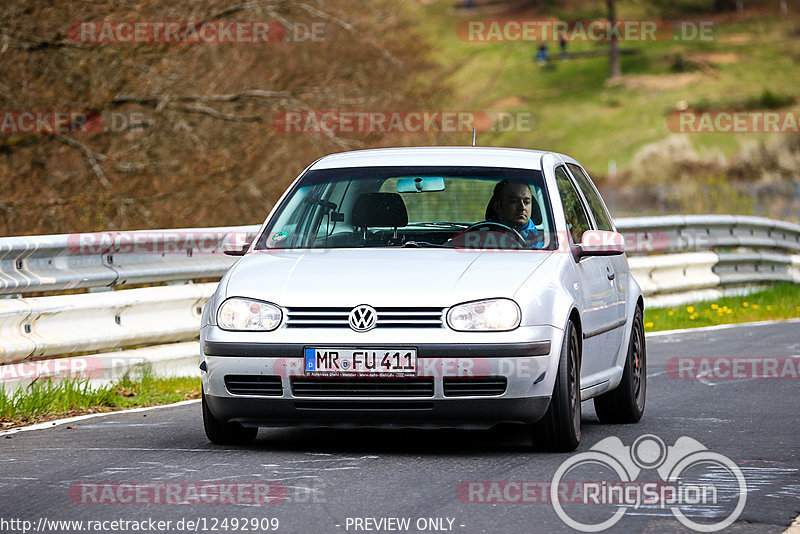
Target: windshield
<point x="413" y="207"/>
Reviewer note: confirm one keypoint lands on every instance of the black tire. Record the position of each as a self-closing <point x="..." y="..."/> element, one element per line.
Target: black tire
<point x="625" y="403"/>
<point x="560" y="428"/>
<point x="222" y="433"/>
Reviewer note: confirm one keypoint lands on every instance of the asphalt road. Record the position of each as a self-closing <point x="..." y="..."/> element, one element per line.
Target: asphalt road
<point x="355" y="481"/>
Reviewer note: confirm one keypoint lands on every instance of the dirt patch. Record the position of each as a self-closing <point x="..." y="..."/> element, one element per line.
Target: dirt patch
<point x="28" y="420"/>
<point x="715" y="58"/>
<point x="508" y="102"/>
<point x="738" y="38"/>
<point x="661" y="82"/>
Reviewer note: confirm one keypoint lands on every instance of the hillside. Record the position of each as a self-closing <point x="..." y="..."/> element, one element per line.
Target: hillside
<point x="748" y="61"/>
<point x="184" y="132"/>
<point x="194" y="133"/>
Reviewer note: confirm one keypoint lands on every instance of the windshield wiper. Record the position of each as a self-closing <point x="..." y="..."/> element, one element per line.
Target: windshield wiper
<point x="439" y="225"/>
<point x="415" y="244"/>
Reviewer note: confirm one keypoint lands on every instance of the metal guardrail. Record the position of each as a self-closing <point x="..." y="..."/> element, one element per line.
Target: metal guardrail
<point x="109" y="259"/>
<point x="51" y="326"/>
<point x="682" y="258"/>
<point x="675" y="259"/>
<point x="696" y="233"/>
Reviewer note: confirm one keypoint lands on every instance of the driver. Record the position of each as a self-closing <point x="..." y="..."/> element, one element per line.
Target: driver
<point x="511" y="206"/>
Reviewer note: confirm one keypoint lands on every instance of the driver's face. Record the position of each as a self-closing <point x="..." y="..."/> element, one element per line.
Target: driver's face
<point x="514" y="205"/>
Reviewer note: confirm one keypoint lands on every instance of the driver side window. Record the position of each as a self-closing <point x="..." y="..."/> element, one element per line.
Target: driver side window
<point x="577" y="219"/>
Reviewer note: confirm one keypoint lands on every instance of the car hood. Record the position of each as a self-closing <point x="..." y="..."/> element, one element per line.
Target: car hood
<point x="380" y="277"/>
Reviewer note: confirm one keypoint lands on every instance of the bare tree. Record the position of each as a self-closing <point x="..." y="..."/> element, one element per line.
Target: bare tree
<point x="614" y="71"/>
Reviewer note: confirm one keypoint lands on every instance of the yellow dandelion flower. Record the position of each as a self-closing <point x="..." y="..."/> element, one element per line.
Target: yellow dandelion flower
<point x="714" y="306"/>
<point x="648" y="324"/>
<point x="745" y="304"/>
<point x="673" y="313"/>
<point x="769" y="307"/>
<point x="729" y="311"/>
<point x="756" y="307"/>
<point x="690" y="309"/>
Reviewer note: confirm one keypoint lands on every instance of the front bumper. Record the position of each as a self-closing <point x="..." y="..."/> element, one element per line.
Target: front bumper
<point x="383" y="413"/>
<point x="526" y="365"/>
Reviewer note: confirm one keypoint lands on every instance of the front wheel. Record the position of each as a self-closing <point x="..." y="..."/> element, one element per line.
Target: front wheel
<point x="224" y="433"/>
<point x="625" y="403"/>
<point x="560" y="428"/>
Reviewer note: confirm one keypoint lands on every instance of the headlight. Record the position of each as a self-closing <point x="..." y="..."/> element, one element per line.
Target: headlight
<point x="246" y="314"/>
<point x="484" y="315"/>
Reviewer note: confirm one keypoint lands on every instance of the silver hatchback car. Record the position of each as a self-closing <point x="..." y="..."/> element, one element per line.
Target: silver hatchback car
<point x="428" y="287"/>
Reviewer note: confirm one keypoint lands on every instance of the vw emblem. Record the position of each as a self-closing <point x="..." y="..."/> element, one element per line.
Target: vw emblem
<point x="363" y="318"/>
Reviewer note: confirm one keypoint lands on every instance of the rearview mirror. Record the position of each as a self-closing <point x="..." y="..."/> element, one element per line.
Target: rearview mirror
<point x="420" y="184"/>
<point x="602" y="243"/>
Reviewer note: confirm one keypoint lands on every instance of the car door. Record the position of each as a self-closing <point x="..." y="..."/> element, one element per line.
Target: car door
<point x="602" y="221"/>
<point x="595" y="287"/>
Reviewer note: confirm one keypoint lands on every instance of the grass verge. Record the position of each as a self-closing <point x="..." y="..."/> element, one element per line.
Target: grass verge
<point x="46" y="400"/>
<point x="778" y="302"/>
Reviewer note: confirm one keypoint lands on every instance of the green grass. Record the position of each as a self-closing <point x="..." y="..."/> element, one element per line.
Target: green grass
<point x="579" y="114"/>
<point x="47" y="399"/>
<point x="775" y="303"/>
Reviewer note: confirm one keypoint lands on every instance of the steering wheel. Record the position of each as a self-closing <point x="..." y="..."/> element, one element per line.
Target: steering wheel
<point x="493" y="226"/>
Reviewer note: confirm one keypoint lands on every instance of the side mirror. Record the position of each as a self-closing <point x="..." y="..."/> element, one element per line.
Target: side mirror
<point x="235" y="251"/>
<point x="602" y="243"/>
<point x="237" y="242"/>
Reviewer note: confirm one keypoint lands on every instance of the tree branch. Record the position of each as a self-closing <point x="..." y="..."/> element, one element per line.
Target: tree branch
<point x="213" y="113"/>
<point x="89" y="155"/>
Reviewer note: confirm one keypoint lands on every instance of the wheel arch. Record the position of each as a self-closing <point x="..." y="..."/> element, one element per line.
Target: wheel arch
<point x="575" y="318"/>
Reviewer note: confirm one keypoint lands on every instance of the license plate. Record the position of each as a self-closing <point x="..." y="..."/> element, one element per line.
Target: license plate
<point x="349" y="361"/>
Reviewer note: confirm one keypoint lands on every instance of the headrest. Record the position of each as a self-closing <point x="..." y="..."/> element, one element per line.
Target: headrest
<point x="380" y="209"/>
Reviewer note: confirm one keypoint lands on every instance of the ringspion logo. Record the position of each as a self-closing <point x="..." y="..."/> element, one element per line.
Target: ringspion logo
<point x="692" y="477"/>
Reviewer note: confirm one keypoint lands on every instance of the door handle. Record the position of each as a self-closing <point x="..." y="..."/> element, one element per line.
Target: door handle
<point x="610" y="274"/>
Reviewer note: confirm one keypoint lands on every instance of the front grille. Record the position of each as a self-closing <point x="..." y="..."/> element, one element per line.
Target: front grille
<point x="254" y="385"/>
<point x="362" y="406"/>
<point x="468" y="387"/>
<point x="362" y="387"/>
<point x="387" y="317"/>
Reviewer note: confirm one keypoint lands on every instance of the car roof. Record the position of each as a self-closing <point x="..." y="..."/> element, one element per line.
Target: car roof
<point x="457" y="156"/>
